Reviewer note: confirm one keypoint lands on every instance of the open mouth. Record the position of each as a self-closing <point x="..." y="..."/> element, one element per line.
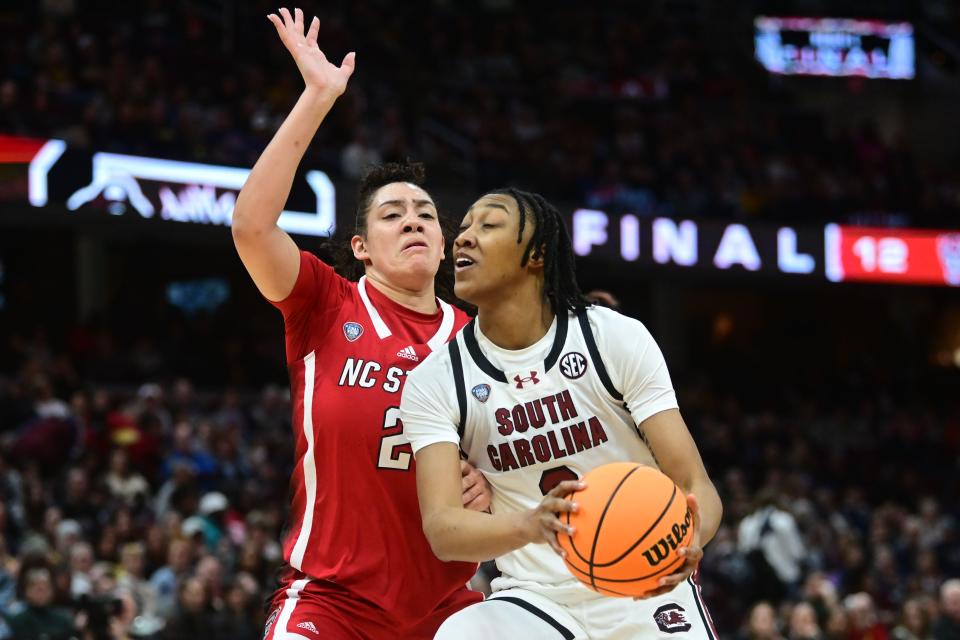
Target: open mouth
<point x="462" y="263"/>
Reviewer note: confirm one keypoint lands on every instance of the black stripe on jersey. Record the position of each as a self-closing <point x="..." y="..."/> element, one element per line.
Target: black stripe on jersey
<point x="543" y="615"/>
<point x="470" y="338"/>
<point x="457" y="365"/>
<point x="595" y="355"/>
<point x="558" y="341"/>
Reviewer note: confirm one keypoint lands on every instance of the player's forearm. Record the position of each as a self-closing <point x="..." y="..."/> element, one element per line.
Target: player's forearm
<point x="267" y="188"/>
<point x="711" y="508"/>
<point x="470" y="536"/>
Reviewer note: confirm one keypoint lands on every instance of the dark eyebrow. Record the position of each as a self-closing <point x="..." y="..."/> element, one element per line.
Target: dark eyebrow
<point x="493" y="205"/>
<point x="417" y="203"/>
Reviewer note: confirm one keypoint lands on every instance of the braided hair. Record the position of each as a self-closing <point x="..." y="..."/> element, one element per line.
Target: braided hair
<point x="550" y="241"/>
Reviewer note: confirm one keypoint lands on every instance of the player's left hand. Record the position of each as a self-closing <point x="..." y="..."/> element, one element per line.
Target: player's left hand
<point x="477" y="493"/>
<point x="693" y="554"/>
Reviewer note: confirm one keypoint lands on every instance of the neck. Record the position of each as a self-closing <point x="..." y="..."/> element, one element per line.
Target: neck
<point x="420" y="300"/>
<point x="511" y="322"/>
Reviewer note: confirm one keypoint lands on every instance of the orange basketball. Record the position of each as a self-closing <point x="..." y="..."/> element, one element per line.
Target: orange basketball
<point x="631" y="523"/>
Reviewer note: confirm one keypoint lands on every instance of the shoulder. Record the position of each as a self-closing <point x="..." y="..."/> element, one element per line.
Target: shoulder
<point x="604" y="318"/>
<point x="317" y="285"/>
<point x="615" y="329"/>
<point x="312" y="268"/>
<point x="434" y="368"/>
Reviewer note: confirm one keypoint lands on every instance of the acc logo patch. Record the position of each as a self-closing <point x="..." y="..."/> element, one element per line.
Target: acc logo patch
<point x="352" y="330"/>
<point x="671" y="618"/>
<point x="481" y="392"/>
<point x="573" y="365"/>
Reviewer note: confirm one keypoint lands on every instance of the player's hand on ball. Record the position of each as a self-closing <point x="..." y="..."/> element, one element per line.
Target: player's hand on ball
<point x="317" y="71"/>
<point x="544" y="521"/>
<point x="477" y="493"/>
<point x="692" y="553"/>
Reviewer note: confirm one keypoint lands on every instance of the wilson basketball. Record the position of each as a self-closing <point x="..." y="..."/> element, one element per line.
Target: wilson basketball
<point x="630" y="526"/>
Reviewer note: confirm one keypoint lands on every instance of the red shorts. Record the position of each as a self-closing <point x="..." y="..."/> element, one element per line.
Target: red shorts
<point x="307" y="609"/>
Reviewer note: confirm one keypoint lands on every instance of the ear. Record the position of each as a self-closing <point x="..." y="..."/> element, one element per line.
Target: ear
<point x="536" y="258"/>
<point x="359" y="246"/>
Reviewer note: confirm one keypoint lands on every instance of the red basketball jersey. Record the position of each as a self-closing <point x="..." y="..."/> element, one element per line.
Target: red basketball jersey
<point x="354" y="517"/>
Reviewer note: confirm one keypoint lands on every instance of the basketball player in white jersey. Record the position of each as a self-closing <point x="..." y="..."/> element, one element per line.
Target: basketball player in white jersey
<point x="539" y="389"/>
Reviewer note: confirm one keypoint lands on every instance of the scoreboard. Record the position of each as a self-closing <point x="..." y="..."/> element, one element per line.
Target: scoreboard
<point x="58" y="180"/>
<point x="835" y="47"/>
<point x="902" y="256"/>
<point x="833" y="252"/>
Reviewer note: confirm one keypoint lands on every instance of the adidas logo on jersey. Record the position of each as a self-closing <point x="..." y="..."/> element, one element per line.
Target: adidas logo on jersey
<point x="309" y="626"/>
<point x="409" y="354"/>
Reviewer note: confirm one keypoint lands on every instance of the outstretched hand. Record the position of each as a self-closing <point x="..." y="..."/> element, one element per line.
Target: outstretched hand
<point x="317" y="71"/>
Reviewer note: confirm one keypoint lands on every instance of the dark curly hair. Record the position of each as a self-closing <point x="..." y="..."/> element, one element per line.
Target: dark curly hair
<point x="379" y="176"/>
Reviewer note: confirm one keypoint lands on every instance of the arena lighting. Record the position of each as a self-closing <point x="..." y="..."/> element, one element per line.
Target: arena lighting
<point x="837" y="253"/>
<point x="40" y="165"/>
<point x="835" y="47"/>
<point x="178" y="191"/>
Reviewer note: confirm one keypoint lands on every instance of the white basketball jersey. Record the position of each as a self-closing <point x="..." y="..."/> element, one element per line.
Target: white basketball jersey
<point x="530" y="419"/>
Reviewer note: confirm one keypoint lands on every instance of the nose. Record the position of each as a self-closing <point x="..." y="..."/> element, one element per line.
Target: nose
<point x="412" y="223"/>
<point x="464" y="239"/>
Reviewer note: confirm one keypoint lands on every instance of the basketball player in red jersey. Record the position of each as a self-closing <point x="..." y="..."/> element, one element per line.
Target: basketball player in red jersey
<point x="359" y="565"/>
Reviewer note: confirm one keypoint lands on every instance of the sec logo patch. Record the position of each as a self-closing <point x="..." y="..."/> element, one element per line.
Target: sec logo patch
<point x="573" y="365"/>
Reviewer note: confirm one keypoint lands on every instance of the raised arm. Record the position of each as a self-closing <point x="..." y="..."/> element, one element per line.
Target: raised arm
<point x="268" y="253"/>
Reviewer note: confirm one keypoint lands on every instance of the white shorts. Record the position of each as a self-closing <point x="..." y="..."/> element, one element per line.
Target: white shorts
<point x="521" y="613"/>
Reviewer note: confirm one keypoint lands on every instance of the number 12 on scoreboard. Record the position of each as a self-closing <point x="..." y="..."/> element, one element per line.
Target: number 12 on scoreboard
<point x="903" y="256"/>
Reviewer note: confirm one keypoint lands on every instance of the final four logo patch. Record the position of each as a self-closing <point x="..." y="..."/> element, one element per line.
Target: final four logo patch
<point x="352" y="330"/>
<point x="481" y="392"/>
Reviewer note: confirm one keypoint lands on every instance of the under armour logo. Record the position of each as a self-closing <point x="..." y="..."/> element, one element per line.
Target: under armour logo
<point x="531" y="378"/>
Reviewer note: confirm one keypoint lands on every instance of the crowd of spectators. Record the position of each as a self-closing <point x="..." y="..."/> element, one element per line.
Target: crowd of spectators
<point x="154" y="509"/>
<point x="664" y="113"/>
<point x="143" y="476"/>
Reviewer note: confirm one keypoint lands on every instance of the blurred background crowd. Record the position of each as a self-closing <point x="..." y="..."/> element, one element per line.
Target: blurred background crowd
<point x="145" y="453"/>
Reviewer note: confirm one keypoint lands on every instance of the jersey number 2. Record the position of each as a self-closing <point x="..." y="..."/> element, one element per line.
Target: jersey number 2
<point x="395" y="452"/>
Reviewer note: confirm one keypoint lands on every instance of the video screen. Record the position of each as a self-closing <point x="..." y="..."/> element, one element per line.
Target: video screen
<point x="835" y="47"/>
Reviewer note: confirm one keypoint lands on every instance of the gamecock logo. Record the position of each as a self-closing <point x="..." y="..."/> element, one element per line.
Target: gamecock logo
<point x="671" y="618"/>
